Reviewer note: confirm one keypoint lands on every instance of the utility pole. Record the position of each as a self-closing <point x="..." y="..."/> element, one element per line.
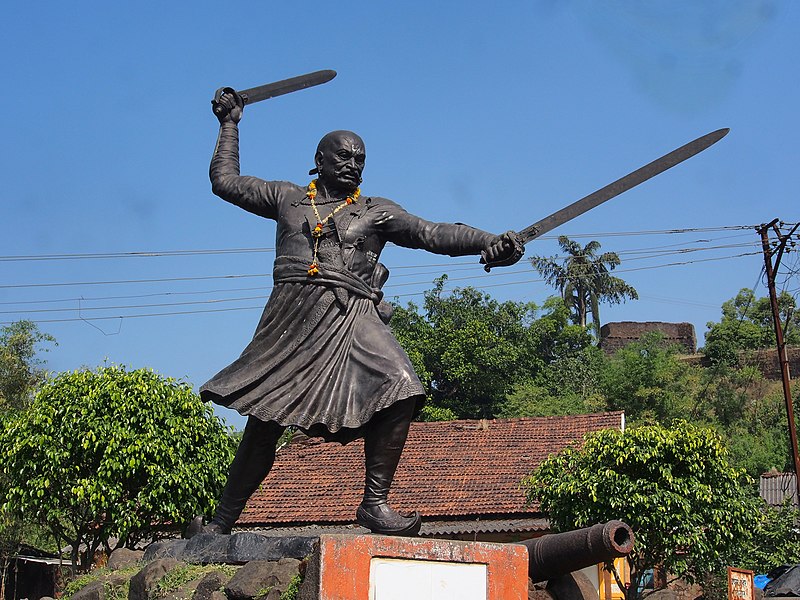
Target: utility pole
<point x="778" y="249"/>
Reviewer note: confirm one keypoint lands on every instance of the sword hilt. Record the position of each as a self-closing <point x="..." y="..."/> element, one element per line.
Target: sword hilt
<point x="226" y="90"/>
<point x="516" y="246"/>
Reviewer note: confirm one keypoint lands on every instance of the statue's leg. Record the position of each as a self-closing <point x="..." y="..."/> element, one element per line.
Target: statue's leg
<point x="383" y="444"/>
<point x="252" y="462"/>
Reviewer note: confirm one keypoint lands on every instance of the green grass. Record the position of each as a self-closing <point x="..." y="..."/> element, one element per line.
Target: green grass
<point x="183" y="574"/>
<point x="82" y="581"/>
<point x="171" y="582"/>
<point x="293" y="589"/>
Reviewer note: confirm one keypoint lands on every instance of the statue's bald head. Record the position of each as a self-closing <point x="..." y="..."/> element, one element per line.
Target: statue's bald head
<point x="340" y="159"/>
<point x="336" y="139"/>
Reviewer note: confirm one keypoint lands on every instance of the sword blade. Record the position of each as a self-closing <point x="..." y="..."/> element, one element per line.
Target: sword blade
<point x="286" y="86"/>
<point x="621" y="185"/>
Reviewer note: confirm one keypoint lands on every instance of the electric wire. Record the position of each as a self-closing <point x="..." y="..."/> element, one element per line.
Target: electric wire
<point x="409" y="271"/>
<point x="394" y="283"/>
<point x="452" y="266"/>
<point x="222" y="251"/>
<point x="402" y="295"/>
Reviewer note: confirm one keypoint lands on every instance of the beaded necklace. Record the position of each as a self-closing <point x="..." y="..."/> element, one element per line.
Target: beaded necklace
<point x="316" y="233"/>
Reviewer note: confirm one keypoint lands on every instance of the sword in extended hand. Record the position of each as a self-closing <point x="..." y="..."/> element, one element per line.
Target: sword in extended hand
<point x="550" y="222"/>
<point x="278" y="88"/>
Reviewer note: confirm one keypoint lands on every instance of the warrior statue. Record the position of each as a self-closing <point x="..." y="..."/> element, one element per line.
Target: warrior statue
<point x="323" y="358"/>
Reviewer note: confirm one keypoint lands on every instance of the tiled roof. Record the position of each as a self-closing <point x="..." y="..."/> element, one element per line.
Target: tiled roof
<point x="449" y="470"/>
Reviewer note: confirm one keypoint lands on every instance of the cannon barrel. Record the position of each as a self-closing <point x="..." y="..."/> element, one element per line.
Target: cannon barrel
<point x="557" y="554"/>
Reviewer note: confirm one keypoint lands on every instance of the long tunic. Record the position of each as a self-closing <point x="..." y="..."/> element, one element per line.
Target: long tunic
<point x="321" y="358"/>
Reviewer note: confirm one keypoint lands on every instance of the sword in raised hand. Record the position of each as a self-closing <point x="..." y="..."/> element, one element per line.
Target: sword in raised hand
<point x="277" y="88"/>
<point x="577" y="208"/>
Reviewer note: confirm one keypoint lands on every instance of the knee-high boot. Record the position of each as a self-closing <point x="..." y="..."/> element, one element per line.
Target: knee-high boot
<point x="252" y="462"/>
<point x="383" y="444"/>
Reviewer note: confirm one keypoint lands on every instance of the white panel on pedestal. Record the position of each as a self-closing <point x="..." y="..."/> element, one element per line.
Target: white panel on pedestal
<point x="395" y="579"/>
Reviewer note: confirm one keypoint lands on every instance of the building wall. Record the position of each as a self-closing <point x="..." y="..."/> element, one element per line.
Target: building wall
<point x="614" y="336"/>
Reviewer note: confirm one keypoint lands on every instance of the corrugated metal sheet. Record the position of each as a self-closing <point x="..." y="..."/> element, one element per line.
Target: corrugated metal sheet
<point x="429" y="528"/>
<point x="776" y="487"/>
<point x="484" y="526"/>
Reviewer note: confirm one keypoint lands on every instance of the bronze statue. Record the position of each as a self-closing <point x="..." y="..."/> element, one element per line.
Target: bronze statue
<point x="323" y="358"/>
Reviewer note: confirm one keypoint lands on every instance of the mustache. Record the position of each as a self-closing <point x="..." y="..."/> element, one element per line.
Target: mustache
<point x="347" y="171"/>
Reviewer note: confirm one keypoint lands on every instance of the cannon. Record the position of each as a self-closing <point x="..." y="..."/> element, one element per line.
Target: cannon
<point x="554" y="555"/>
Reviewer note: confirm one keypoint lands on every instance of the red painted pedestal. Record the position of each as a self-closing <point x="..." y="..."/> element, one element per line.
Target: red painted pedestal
<point x="372" y="567"/>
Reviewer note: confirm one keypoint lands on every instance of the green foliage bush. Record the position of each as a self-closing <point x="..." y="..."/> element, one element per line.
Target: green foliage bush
<point x="649" y="382"/>
<point x="470" y="350"/>
<point x="113" y="453"/>
<point x="747" y="324"/>
<point x="690" y="510"/>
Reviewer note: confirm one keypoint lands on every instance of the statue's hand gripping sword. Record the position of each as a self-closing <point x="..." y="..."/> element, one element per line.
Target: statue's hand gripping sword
<point x="278" y="88"/>
<point x="531" y="232"/>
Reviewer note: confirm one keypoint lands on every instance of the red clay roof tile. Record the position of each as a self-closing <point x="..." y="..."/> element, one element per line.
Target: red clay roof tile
<point x="449" y="469"/>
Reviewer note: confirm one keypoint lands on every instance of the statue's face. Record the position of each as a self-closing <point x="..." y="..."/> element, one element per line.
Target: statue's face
<point x="340" y="160"/>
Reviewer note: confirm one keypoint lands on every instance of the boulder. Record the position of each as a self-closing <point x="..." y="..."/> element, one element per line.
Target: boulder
<point x="261" y="578"/>
<point x="94" y="591"/>
<point x="211" y="583"/>
<point x="145" y="580"/>
<point x="573" y="586"/>
<point x="123" y="557"/>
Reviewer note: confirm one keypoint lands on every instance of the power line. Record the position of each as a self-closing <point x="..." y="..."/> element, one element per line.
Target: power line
<point x="480" y="287"/>
<point x="162" y="314"/>
<point x="450" y="266"/>
<point x="82" y="309"/>
<point x="126" y="281"/>
<point x="393" y="281"/>
<point x="140" y="254"/>
<point x="428" y="269"/>
<point x="131" y="296"/>
<point x="223" y="251"/>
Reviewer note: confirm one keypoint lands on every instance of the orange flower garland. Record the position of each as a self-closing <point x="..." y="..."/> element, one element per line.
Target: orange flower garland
<point x="316" y="233"/>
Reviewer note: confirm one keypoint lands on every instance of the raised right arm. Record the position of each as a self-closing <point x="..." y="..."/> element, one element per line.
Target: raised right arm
<point x="250" y="193"/>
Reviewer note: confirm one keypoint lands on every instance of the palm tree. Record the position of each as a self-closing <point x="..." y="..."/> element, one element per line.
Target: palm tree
<point x="583" y="279"/>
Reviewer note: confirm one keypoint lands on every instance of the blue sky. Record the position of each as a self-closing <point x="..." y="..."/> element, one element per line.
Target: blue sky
<point x="491" y="114"/>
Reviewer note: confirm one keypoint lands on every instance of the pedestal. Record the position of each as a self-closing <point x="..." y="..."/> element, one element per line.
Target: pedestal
<point x="371" y="567"/>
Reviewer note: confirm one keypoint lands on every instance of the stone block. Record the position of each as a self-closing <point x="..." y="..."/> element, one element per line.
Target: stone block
<point x="164" y="549"/>
<point x="236" y="549"/>
<point x="145" y="580"/>
<point x="246" y="546"/>
<point x="94" y="591"/>
<point x="124" y="557"/>
<point x="573" y="586"/>
<point x="205" y="548"/>
<point x="212" y="582"/>
<point x="252" y="580"/>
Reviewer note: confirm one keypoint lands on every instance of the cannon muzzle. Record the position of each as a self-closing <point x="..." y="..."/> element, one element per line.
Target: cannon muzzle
<point x="557" y="554"/>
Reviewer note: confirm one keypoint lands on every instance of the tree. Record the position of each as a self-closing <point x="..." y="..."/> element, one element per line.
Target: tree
<point x="569" y="385"/>
<point x="112" y="453"/>
<point x="470" y="350"/>
<point x="674" y="486"/>
<point x="747" y="324"/>
<point x="583" y="279"/>
<point x="757" y="436"/>
<point x="20" y="370"/>
<point x="649" y="382"/>
<point x="776" y="540"/>
<point x="20" y="374"/>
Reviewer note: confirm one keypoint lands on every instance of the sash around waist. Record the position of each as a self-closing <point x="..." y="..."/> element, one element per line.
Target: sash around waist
<point x="293" y="269"/>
